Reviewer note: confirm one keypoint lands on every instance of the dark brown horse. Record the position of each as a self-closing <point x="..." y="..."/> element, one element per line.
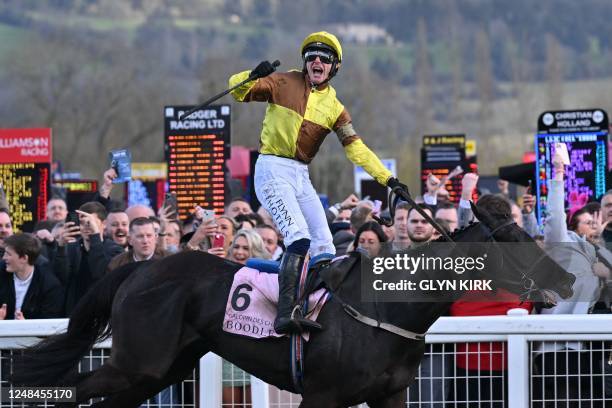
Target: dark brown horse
<point x="166" y="315"/>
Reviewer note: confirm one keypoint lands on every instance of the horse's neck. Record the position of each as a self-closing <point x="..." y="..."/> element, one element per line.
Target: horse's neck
<point x="419" y="315"/>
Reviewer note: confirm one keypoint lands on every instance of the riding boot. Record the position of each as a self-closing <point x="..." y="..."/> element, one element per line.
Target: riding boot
<point x="289" y="318"/>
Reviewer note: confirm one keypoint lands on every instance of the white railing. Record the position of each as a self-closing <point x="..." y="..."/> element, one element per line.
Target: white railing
<point x="517" y="332"/>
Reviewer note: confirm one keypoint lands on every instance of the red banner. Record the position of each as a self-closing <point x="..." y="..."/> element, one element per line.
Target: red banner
<point x="25" y="145"/>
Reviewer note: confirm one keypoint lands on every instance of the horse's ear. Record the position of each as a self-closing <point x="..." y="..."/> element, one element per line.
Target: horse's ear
<point x="475" y="210"/>
<point x="482" y="215"/>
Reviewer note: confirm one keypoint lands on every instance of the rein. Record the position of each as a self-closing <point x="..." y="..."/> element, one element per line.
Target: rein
<point x="355" y="314"/>
<point x="401" y="193"/>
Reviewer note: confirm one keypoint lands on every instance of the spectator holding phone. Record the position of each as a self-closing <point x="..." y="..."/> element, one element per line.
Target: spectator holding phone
<point x="83" y="253"/>
<point x="228" y="228"/>
<point x="530" y="222"/>
<point x="201" y="239"/>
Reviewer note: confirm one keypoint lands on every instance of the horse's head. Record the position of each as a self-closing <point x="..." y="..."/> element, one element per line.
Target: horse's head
<point x="524" y="267"/>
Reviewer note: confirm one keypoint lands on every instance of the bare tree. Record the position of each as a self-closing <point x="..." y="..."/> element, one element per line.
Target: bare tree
<point x="454" y="30"/>
<point x="484" y="78"/>
<point x="423" y="79"/>
<point x="554" y="72"/>
<point x="93" y="99"/>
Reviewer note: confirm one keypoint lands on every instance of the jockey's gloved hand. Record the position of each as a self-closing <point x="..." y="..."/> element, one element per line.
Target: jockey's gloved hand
<point x="394" y="184"/>
<point x="264" y="69"/>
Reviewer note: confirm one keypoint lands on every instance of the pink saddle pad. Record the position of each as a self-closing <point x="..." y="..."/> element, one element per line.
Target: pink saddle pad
<point x="251" y="305"/>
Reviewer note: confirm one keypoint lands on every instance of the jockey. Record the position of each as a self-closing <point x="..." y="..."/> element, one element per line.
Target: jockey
<point x="302" y="110"/>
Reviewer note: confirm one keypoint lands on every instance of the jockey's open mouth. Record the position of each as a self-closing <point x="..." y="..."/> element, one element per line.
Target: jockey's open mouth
<point x="318" y="72"/>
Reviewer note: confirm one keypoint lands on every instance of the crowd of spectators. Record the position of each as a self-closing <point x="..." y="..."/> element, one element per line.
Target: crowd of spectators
<point x="45" y="273"/>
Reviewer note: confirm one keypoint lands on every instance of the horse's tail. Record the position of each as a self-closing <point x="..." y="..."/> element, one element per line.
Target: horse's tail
<point x="47" y="362"/>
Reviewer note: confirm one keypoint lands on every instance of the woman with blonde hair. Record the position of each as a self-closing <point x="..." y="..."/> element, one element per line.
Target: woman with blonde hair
<point x="247" y="244"/>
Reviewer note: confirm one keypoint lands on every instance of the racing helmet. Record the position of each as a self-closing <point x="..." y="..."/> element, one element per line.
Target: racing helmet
<point x="322" y="40"/>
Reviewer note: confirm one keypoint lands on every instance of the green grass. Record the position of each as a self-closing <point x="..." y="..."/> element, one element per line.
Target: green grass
<point x="93" y="23"/>
<point x="400" y="54"/>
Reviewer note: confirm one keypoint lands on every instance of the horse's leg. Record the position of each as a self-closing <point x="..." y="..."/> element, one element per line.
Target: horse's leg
<point x="147" y="388"/>
<point x="104" y="381"/>
<point x="396" y="400"/>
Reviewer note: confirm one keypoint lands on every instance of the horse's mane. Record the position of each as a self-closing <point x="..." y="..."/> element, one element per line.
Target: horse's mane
<point x="458" y="232"/>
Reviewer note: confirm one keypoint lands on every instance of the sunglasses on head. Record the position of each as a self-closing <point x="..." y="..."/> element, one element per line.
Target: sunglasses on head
<point x="324" y="57"/>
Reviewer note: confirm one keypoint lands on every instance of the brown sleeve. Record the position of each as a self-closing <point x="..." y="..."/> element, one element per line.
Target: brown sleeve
<point x="263" y="90"/>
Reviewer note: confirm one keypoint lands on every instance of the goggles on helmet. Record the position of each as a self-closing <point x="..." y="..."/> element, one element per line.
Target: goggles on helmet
<point x="325" y="57"/>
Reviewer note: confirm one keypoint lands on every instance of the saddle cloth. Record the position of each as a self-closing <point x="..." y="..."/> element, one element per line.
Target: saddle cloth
<point x="251" y="305"/>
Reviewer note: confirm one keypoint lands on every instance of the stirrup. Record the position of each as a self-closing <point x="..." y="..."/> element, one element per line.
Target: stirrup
<point x="304" y="323"/>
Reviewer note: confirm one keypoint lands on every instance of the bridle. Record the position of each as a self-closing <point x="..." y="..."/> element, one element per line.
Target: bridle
<point x="526" y="282"/>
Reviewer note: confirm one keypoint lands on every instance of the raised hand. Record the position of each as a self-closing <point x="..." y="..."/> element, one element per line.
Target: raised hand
<point x="89" y="222"/>
<point x="206" y="229"/>
<point x="107" y="183"/>
<point x="394" y="184"/>
<point x="44" y="235"/>
<point x="468" y="184"/>
<point x="529" y="202"/>
<point x="433" y="184"/>
<point x="262" y="70"/>
<point x="218" y="251"/>
<point x="68" y="233"/>
<point x="503" y="186"/>
<point x="350" y="202"/>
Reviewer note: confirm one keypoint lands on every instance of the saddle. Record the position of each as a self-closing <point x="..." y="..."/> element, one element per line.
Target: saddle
<point x="329" y="275"/>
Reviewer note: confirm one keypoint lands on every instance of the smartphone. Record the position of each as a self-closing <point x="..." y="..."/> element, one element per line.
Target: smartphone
<point x="218" y="241"/>
<point x="171" y="201"/>
<point x="205" y="215"/>
<point x="208" y="215"/>
<point x="529" y="187"/>
<point x="73" y="217"/>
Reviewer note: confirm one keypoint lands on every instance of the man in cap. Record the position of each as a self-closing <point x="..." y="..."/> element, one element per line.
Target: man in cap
<point x="302" y="110"/>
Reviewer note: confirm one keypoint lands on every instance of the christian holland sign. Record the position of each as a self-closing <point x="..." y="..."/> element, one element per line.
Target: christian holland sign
<point x="585" y="135"/>
<point x="584" y="120"/>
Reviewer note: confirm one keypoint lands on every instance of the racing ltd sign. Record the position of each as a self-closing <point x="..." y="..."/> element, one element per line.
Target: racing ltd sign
<point x="25" y="145"/>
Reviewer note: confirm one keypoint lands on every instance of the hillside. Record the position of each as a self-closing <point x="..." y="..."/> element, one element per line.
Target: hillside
<point x="103" y="70"/>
